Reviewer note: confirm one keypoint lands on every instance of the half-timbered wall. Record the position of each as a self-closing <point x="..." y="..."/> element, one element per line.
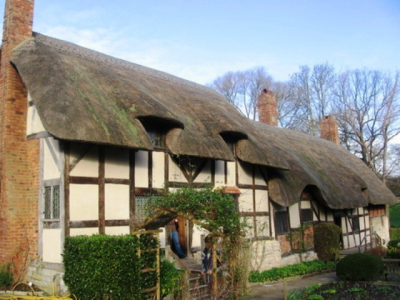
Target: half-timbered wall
<point x="355" y="227"/>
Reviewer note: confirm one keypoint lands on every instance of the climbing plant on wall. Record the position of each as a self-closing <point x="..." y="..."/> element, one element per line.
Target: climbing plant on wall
<point x="216" y="212"/>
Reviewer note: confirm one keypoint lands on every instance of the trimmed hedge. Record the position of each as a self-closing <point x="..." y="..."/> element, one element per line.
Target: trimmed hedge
<point x="327" y="241"/>
<point x="360" y="267"/>
<point x="291" y="271"/>
<point x="100" y="266"/>
<point x="394" y="249"/>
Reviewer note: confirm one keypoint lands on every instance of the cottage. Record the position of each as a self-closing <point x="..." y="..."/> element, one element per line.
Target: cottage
<point x="86" y="138"/>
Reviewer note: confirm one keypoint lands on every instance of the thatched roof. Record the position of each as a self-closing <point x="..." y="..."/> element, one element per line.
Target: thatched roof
<point x="83" y="95"/>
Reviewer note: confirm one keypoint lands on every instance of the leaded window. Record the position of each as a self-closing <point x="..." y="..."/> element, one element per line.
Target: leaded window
<point x="52" y="202"/>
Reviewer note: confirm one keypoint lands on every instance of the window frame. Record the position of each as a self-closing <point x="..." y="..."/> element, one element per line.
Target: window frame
<point x="282" y="222"/>
<point x="52" y="206"/>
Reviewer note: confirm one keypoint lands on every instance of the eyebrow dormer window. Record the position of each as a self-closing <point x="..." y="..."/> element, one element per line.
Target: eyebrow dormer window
<point x="231" y="138"/>
<point x="156" y="138"/>
<point x="157" y="128"/>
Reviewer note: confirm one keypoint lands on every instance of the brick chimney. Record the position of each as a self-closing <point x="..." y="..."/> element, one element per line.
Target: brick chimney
<point x="329" y="129"/>
<point x="19" y="158"/>
<point x="267" y="108"/>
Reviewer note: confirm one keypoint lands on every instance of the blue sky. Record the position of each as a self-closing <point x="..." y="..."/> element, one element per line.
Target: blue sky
<point x="201" y="40"/>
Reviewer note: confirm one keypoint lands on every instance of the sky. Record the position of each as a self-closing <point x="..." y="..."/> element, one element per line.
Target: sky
<point x="201" y="40"/>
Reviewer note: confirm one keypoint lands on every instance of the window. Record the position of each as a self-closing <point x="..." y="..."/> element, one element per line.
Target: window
<point x="281" y="222"/>
<point x="306" y="215"/>
<point x="356" y="224"/>
<point x="52" y="202"/>
<point x="156" y="138"/>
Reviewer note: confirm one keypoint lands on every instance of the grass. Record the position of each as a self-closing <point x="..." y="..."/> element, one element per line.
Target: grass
<point x="394" y="211"/>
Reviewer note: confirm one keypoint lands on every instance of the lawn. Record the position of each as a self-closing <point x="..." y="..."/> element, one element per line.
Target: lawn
<point x="394" y="211"/>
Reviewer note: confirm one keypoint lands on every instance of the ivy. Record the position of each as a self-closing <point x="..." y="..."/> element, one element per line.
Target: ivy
<point x="215" y="211"/>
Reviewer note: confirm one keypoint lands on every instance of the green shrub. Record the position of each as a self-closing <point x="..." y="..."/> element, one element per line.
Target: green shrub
<point x="394" y="249"/>
<point x="290" y="271"/>
<point x="394" y="233"/>
<point x="360" y="267"/>
<point x="100" y="266"/>
<point x="6" y="277"/>
<point x="327" y="241"/>
<point x="170" y="279"/>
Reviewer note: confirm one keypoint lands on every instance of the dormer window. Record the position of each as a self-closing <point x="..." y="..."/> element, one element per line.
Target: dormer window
<point x="232" y="137"/>
<point x="157" y="128"/>
<point x="157" y="138"/>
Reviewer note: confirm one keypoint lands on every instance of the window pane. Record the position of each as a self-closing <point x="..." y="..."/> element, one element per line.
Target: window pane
<point x="47" y="202"/>
<point x="282" y="222"/>
<point x="356" y="224"/>
<point x="306" y="215"/>
<point x="56" y="202"/>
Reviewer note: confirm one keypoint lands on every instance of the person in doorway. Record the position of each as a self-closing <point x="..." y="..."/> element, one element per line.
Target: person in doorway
<point x="207" y="259"/>
<point x="175" y="239"/>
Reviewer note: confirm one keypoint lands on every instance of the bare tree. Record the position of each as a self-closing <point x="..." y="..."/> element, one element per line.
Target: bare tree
<point x="368" y="112"/>
<point x="242" y="89"/>
<point x="312" y="89"/>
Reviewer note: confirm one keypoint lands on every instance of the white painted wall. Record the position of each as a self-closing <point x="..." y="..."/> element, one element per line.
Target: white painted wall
<point x="141" y="167"/>
<point x="231" y="178"/>
<point x="205" y="174"/>
<point x="246" y="201"/>
<point x="52" y="245"/>
<point x="116" y="201"/>
<point x="175" y="173"/>
<point x="294" y="215"/>
<point x="219" y="172"/>
<point x="89" y="165"/>
<point x="84" y="201"/>
<point x="158" y="169"/>
<point x="245" y="173"/>
<point x="117" y="163"/>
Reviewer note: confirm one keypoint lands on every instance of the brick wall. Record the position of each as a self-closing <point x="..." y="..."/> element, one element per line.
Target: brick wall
<point x="267" y="108"/>
<point x="329" y="129"/>
<point x="19" y="158"/>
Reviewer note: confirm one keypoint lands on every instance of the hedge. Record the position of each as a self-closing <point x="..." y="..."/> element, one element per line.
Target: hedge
<point x="100" y="266"/>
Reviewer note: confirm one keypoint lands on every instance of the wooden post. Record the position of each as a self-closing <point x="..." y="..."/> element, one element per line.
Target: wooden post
<point x="214" y="271"/>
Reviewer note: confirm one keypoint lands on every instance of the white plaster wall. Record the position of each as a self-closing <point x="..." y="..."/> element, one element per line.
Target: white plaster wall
<point x="117" y="230"/>
<point x="84" y="202"/>
<point x="50" y="164"/>
<point x="262" y="223"/>
<point x="34" y="124"/>
<point x="219" y="172"/>
<point x="249" y="229"/>
<point x="175" y="173"/>
<point x="294" y="215"/>
<point x="116" y="163"/>
<point x="231" y="180"/>
<point x="261" y="200"/>
<point x="246" y="201"/>
<point x="198" y="234"/>
<point x="52" y="245"/>
<point x="205" y="174"/>
<point x="259" y="179"/>
<point x="83" y="231"/>
<point x="141" y="169"/>
<point x="116" y="201"/>
<point x="158" y="169"/>
<point x="305" y="204"/>
<point x="245" y="173"/>
<point x="381" y="226"/>
<point x="88" y="166"/>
